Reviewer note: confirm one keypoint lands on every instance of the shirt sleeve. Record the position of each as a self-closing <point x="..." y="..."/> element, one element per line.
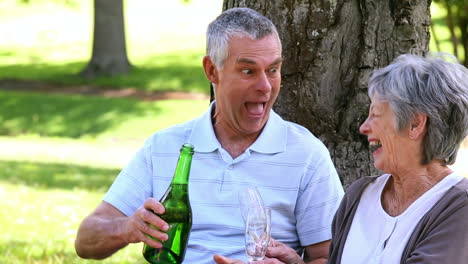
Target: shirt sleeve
<point x="318" y="200"/>
<point x="134" y="183"/>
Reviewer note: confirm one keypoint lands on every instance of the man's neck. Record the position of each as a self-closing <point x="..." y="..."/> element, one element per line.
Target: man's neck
<point x="234" y="143"/>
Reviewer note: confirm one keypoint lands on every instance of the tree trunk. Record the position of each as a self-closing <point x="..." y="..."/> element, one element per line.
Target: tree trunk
<point x="330" y="48"/>
<point x="109" y="55"/>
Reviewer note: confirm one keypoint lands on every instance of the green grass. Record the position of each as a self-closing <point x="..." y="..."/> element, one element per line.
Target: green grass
<point x="106" y="154"/>
<point x="69" y="151"/>
<point x="39" y="222"/>
<point x="63" y="176"/>
<point x="59" y="156"/>
<point x="76" y="116"/>
<point x="164" y="72"/>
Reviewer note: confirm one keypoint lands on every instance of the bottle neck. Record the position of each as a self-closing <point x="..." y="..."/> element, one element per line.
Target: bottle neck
<point x="181" y="174"/>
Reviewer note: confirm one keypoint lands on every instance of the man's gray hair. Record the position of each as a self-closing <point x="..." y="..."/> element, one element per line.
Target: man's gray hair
<point x="238" y="22"/>
<point x="433" y="86"/>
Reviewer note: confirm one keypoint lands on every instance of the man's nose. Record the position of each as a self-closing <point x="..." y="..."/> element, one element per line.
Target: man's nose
<point x="263" y="83"/>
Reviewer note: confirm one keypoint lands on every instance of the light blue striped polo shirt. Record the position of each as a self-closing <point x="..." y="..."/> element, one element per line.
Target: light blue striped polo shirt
<point x="291" y="168"/>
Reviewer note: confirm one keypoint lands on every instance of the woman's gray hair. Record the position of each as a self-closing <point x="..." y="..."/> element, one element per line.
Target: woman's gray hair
<point x="433" y="86"/>
<point x="239" y="22"/>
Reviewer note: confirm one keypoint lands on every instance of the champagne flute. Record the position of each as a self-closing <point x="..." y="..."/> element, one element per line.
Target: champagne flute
<point x="257" y="232"/>
<point x="249" y="197"/>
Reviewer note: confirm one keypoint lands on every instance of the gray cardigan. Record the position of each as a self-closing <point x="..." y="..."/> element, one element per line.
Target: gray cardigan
<point x="440" y="237"/>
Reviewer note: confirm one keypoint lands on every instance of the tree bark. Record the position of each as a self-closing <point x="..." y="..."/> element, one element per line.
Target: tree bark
<point x="109" y="55"/>
<point x="330" y="48"/>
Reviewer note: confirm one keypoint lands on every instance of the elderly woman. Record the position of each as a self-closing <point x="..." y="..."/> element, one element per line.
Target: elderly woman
<point x="417" y="212"/>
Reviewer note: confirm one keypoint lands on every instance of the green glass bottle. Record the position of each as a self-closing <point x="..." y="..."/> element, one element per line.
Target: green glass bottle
<point x="178" y="214"/>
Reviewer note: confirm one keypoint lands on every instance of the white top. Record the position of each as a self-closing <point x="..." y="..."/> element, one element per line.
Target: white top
<point x="291" y="168"/>
<point x="378" y="238"/>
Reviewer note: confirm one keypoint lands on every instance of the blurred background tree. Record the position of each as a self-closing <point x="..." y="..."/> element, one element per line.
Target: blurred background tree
<point x="109" y="53"/>
<point x="455" y="18"/>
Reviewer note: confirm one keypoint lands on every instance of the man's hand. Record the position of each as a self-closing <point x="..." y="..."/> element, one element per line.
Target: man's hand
<point x="107" y="229"/>
<point x="144" y="222"/>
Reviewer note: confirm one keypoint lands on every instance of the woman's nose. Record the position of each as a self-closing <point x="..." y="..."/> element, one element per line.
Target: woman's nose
<point x="364" y="128"/>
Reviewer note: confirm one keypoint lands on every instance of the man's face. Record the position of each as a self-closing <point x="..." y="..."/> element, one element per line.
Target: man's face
<point x="247" y="85"/>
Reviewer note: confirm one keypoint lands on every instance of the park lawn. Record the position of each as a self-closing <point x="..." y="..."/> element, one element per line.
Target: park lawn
<point x="156" y="72"/>
<point x="44" y="198"/>
<point x="59" y="154"/>
<point x="92" y="117"/>
<point x="39" y="222"/>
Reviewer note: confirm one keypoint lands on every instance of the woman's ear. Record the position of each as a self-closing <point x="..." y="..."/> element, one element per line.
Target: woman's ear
<point x="417" y="127"/>
<point x="211" y="71"/>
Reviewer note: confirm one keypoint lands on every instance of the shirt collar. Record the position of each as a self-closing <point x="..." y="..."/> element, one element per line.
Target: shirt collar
<point x="272" y="139"/>
<point x="203" y="136"/>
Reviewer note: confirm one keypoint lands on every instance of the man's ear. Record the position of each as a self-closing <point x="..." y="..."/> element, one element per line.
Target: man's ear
<point x="417" y="127"/>
<point x="211" y="71"/>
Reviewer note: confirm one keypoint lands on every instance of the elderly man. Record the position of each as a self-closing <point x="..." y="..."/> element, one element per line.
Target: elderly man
<point x="239" y="141"/>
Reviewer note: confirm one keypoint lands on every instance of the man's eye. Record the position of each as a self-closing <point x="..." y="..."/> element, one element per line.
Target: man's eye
<point x="247" y="71"/>
<point x="274" y="70"/>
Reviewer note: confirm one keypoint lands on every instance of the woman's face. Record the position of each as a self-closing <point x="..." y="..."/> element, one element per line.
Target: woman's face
<point x="392" y="149"/>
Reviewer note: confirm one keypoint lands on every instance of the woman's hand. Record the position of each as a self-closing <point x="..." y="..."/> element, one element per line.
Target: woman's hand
<point x="282" y="253"/>
<point x="224" y="260"/>
<point x="277" y="253"/>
